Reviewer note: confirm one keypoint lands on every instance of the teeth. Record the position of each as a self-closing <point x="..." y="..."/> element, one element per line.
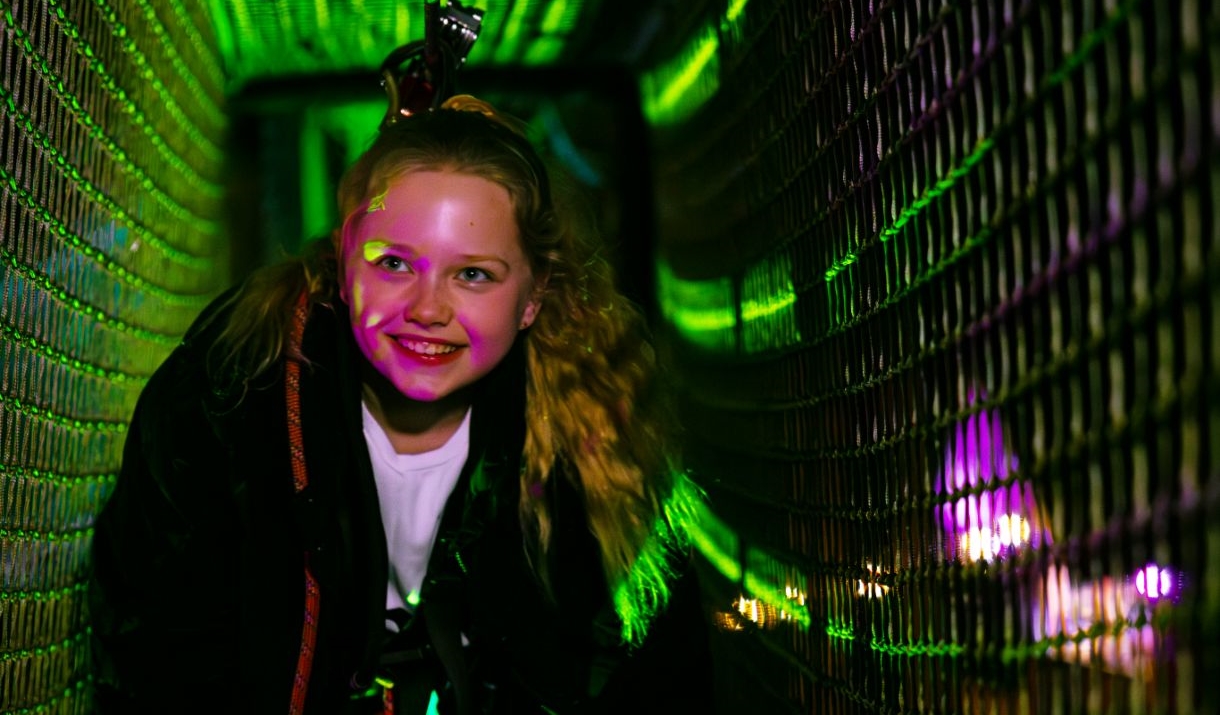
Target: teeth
<point x="428" y="348"/>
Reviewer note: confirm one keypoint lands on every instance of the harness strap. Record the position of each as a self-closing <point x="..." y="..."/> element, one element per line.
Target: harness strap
<point x="300" y="479"/>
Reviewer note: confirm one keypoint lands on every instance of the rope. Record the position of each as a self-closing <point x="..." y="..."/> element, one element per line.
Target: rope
<point x="300" y="479"/>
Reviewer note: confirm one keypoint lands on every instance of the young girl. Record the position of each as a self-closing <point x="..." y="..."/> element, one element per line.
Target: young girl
<point x="428" y="462"/>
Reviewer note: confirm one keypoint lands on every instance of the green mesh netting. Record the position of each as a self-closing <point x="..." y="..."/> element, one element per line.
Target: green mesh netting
<point x="941" y="279"/>
<point x="111" y="125"/>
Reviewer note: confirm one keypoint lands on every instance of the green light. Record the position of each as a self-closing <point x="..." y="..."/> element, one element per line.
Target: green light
<point x="306" y="36"/>
<point x="937" y="189"/>
<point x="694" y="69"/>
<point x="916" y="649"/>
<point x="203" y="52"/>
<point x="1091" y="42"/>
<point x="839" y="631"/>
<point x="644" y="592"/>
<point x="768" y="305"/>
<point x="84" y="535"/>
<point x="677" y="88"/>
<point x="511" y="32"/>
<point x="200" y="142"/>
<point x="222" y="30"/>
<point x="317" y="218"/>
<point x="61" y="296"/>
<point x="14" y="474"/>
<point x="704" y="312"/>
<point x="353" y="126"/>
<point x="256" y="38"/>
<point x="721" y="546"/>
<point x="199" y="266"/>
<point x="838" y="297"/>
<point x="121" y="216"/>
<point x="321" y="9"/>
<point x="59" y="88"/>
<point x="838" y="266"/>
<point x="688" y="521"/>
<point x="543" y="51"/>
<point x="553" y="19"/>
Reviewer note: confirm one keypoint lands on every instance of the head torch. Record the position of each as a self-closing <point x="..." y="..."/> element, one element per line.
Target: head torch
<point x="420" y="75"/>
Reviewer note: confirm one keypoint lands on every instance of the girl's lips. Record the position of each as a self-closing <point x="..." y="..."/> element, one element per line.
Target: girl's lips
<point x="427" y="352"/>
<point x="425" y="347"/>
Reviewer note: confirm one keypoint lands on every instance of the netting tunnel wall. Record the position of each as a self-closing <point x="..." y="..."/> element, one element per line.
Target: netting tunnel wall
<point x="111" y="128"/>
<point x="942" y="283"/>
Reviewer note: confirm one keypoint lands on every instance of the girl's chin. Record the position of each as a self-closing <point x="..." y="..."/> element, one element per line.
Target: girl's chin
<point x="422" y="395"/>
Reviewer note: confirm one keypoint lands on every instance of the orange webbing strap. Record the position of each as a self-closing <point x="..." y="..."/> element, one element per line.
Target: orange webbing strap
<point x="292" y="393"/>
<point x="387" y="697"/>
<point x="309" y="636"/>
<point x="300" y="478"/>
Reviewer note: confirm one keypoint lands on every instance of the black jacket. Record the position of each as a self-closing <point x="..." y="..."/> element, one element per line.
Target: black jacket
<point x="197" y="597"/>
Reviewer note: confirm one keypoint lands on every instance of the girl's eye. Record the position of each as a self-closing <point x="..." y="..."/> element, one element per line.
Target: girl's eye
<point x="474" y="275"/>
<point x="394" y="264"/>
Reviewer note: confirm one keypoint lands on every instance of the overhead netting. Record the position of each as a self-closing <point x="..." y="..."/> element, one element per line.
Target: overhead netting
<point x="111" y="130"/>
<point x="942" y="283"/>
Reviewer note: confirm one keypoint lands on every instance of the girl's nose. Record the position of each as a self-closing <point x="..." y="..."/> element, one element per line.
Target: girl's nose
<point x="428" y="304"/>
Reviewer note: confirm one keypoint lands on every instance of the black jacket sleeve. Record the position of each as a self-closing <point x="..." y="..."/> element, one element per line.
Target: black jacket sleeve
<point x="163" y="586"/>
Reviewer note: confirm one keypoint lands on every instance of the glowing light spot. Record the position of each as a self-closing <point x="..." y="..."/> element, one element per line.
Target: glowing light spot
<point x="683" y="84"/>
<point x="1154" y="582"/>
<point x="373" y="251"/>
<point x="1103" y="620"/>
<point x="703" y="311"/>
<point x="768" y="305"/>
<point x="841" y="631"/>
<point x="992" y="523"/>
<point x="726" y="621"/>
<point x="765" y="614"/>
<point x="869" y="587"/>
<point x="795" y="594"/>
<point x="978" y="545"/>
<point x="1013" y="530"/>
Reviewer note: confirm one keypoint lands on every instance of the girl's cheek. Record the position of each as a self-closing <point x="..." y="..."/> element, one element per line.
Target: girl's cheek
<point x="477" y="344"/>
<point x="372" y="319"/>
<point x="355" y="296"/>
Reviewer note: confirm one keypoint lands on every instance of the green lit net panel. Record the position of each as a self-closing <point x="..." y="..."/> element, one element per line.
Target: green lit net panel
<point x="110" y="244"/>
<point x="261" y="39"/>
<point x="942" y="281"/>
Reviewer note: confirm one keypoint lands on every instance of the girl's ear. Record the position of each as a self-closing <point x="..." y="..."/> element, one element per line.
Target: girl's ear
<point x="531" y="311"/>
<point x="530" y="314"/>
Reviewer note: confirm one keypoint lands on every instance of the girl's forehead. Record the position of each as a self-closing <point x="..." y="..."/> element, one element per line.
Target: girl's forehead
<point x="430" y="182"/>
<point x="424" y="210"/>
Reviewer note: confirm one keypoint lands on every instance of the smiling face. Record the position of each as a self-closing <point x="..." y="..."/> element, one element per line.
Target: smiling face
<point x="436" y="281"/>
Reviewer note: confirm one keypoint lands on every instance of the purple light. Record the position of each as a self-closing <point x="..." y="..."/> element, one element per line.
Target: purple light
<point x="989" y="523"/>
<point x="1154" y="582"/>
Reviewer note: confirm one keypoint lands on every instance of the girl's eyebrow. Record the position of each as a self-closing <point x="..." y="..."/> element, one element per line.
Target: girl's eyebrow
<point x="475" y="258"/>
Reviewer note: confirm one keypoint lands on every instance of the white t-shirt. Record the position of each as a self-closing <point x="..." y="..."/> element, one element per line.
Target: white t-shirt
<point x="412" y="490"/>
